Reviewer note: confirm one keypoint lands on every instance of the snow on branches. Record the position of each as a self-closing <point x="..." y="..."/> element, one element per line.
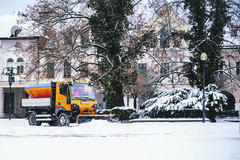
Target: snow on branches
<point x="185" y="98"/>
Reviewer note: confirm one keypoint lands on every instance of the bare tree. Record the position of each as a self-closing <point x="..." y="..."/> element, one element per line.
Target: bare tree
<point x="84" y="37"/>
<point x="163" y="60"/>
<point x="165" y="10"/>
<point x="168" y="52"/>
<point x="64" y="37"/>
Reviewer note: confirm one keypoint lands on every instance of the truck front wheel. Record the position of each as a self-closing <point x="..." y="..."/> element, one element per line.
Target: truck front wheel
<point x="63" y="120"/>
<point x="32" y="120"/>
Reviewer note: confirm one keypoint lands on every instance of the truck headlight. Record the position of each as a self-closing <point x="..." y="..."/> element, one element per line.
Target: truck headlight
<point x="94" y="107"/>
<point x="75" y="107"/>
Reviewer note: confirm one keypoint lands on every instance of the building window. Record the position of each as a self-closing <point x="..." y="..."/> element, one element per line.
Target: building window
<point x="150" y="39"/>
<point x="221" y="67"/>
<point x="10" y="62"/>
<point x="238" y="69"/>
<point x="68" y="39"/>
<point x="164" y="38"/>
<point x="177" y="43"/>
<point x="20" y="66"/>
<point x="67" y="70"/>
<point x="84" y="67"/>
<point x="187" y="67"/>
<point x="50" y="70"/>
<point x="234" y="32"/>
<point x="164" y="69"/>
<point x="142" y="66"/>
<point x="85" y="38"/>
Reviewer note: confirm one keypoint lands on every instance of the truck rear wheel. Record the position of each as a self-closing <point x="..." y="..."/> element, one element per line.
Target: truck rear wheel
<point x="63" y="120"/>
<point x="32" y="120"/>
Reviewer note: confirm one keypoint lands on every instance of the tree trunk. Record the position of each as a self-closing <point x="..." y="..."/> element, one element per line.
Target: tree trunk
<point x="212" y="114"/>
<point x="114" y="96"/>
<point x="135" y="102"/>
<point x="118" y="89"/>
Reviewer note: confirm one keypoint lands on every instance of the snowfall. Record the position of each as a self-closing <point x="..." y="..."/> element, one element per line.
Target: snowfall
<point x="103" y="140"/>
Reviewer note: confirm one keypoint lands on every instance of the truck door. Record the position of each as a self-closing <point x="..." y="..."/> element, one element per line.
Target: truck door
<point x="63" y="98"/>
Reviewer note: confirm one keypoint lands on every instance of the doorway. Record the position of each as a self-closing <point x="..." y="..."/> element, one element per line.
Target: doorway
<point x="6" y="103"/>
<point x="230" y="101"/>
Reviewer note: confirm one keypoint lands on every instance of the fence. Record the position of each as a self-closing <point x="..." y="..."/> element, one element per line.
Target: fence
<point x="189" y="113"/>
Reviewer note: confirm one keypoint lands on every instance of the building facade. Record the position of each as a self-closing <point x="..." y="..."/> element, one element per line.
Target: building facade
<point x="169" y="56"/>
<point x="14" y="59"/>
<point x="229" y="77"/>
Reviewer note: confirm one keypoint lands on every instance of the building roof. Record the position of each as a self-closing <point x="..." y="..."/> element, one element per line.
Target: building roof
<point x="19" y="38"/>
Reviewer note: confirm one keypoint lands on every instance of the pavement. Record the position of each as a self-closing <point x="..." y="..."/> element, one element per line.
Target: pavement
<point x="180" y="120"/>
<point x="168" y="120"/>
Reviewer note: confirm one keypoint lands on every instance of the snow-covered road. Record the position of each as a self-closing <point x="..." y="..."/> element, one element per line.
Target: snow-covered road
<point x="120" y="141"/>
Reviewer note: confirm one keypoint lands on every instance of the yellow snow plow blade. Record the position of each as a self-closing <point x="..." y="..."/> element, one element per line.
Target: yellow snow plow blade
<point x="86" y="118"/>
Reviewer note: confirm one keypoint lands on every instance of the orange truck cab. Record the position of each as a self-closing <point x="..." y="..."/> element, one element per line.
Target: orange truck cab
<point x="61" y="103"/>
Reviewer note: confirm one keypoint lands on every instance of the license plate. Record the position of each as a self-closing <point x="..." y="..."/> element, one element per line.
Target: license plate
<point x="85" y="102"/>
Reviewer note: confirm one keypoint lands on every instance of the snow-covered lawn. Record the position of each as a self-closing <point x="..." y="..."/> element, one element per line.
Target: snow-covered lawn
<point x="101" y="140"/>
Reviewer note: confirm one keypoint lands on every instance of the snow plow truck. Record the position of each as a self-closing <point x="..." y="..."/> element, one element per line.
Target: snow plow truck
<point x="61" y="103"/>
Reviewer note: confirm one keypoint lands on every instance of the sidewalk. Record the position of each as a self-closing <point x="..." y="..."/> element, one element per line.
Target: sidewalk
<point x="169" y="120"/>
<point x="180" y="120"/>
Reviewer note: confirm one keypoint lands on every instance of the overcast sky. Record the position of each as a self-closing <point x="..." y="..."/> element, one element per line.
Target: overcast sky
<point x="8" y="14"/>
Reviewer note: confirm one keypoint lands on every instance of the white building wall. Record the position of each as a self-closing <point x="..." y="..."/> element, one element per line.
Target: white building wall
<point x="129" y="102"/>
<point x="1" y="103"/>
<point x="237" y="106"/>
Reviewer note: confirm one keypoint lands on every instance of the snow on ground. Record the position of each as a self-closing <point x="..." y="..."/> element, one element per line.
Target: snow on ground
<point x="120" y="141"/>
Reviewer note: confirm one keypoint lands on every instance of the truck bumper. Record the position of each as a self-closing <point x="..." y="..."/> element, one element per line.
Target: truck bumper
<point x="87" y="118"/>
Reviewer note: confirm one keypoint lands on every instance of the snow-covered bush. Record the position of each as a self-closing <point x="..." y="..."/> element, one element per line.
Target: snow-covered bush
<point x="177" y="99"/>
<point x="182" y="99"/>
<point x="214" y="97"/>
<point x="213" y="100"/>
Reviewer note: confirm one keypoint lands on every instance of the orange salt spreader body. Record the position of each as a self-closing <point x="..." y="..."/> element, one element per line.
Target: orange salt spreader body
<point x="39" y="91"/>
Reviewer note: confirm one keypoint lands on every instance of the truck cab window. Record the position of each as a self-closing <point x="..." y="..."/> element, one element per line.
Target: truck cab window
<point x="63" y="89"/>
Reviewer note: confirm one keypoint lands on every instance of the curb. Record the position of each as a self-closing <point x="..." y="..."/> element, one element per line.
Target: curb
<point x="166" y="120"/>
<point x="231" y="120"/>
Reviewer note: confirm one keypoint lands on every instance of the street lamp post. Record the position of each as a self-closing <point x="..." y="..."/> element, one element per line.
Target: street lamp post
<point x="10" y="80"/>
<point x="10" y="74"/>
<point x="203" y="58"/>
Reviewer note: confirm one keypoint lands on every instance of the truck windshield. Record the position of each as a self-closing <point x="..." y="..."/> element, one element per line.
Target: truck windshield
<point x="82" y="91"/>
